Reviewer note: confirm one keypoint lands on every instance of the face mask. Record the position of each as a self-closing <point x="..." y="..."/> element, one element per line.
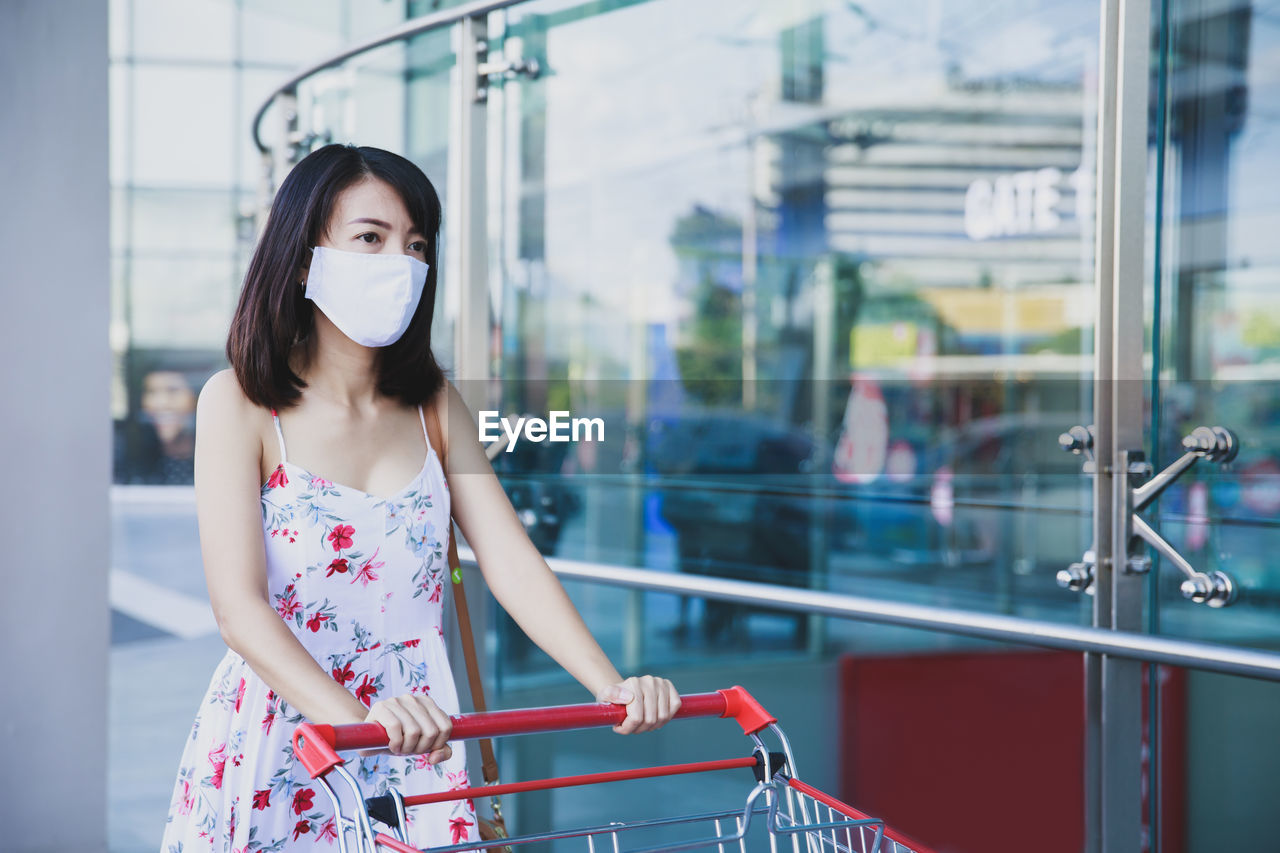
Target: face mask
<point x="370" y="298"/>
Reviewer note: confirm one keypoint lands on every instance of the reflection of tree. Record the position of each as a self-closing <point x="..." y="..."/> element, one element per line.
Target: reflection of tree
<point x="709" y="346"/>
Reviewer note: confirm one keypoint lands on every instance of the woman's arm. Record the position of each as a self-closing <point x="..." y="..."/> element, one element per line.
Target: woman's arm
<point x="525" y="586"/>
<point x="228" y="460"/>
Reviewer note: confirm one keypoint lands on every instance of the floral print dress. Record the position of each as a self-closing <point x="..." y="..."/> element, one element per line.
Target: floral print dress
<point x="359" y="580"/>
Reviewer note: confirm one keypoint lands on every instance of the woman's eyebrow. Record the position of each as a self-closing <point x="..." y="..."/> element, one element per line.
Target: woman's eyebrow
<point x="378" y="222"/>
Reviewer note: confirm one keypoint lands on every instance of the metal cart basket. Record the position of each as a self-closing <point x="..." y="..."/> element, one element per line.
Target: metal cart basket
<point x="780" y="812"/>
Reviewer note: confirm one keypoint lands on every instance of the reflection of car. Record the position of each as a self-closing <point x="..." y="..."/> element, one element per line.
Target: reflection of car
<point x="531" y="475"/>
<point x="996" y="492"/>
<point x="736" y="491"/>
<point x="543" y="500"/>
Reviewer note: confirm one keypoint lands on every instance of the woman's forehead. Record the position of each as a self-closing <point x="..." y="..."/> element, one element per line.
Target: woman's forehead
<point x="375" y="202"/>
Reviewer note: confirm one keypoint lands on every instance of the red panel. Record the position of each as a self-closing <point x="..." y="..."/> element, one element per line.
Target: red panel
<point x="970" y="753"/>
<point x="984" y="752"/>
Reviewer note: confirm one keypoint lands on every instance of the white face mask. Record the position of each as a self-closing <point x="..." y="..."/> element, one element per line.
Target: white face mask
<point x="370" y="298"/>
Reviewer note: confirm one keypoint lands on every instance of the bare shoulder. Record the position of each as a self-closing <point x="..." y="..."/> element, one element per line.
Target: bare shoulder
<point x="225" y="417"/>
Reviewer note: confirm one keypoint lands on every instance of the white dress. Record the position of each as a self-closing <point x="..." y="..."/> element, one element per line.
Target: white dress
<point x="360" y="582"/>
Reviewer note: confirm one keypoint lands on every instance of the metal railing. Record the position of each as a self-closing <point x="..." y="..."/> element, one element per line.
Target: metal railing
<point x="1148" y="648"/>
<point x="410" y="28"/>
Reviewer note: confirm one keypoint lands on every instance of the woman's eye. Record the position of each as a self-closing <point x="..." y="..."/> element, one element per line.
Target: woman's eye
<point x="371" y="237"/>
<point x="418" y="246"/>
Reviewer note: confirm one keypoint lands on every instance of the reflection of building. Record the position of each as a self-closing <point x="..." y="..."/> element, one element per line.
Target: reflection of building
<point x="185" y="80"/>
<point x="972" y="199"/>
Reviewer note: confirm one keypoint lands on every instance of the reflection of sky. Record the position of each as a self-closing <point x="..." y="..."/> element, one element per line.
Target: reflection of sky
<point x="647" y="108"/>
<point x="1254" y="179"/>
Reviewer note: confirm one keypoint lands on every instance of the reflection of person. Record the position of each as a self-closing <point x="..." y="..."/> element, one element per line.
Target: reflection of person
<point x="157" y="444"/>
<point x="169" y="406"/>
<point x="324" y="532"/>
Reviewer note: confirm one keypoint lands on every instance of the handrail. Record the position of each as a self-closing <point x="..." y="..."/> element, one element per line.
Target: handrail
<point x="411" y="27"/>
<point x="989" y="626"/>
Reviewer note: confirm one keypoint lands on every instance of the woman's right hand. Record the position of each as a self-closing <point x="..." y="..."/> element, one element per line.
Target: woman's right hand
<point x="415" y="725"/>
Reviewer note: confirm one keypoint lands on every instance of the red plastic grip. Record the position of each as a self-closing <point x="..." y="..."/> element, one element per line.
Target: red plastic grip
<point x="316" y="745"/>
<point x="313" y="745"/>
<point x="744" y="708"/>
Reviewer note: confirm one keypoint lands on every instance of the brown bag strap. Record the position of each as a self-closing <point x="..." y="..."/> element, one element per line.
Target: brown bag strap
<point x="488" y="762"/>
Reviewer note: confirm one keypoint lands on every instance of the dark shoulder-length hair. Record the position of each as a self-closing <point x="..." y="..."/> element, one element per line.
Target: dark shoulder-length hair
<point x="273" y="316"/>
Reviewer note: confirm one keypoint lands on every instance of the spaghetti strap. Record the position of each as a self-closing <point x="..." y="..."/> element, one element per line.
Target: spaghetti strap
<point x="423" y="419"/>
<point x="279" y="436"/>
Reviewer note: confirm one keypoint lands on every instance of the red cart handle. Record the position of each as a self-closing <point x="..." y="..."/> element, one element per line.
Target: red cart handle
<point x="316" y="745"/>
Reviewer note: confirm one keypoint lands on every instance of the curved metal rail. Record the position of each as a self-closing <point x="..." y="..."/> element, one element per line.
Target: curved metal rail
<point x="411" y="27"/>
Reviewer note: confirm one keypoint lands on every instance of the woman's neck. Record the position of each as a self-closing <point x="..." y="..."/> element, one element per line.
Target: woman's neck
<point x="338" y="369"/>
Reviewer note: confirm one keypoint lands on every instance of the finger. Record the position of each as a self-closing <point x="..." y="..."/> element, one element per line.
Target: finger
<point x="663" y="703"/>
<point x="616" y="694"/>
<point x="444" y="753"/>
<point x="635" y="710"/>
<point x="653" y="696"/>
<point x="426" y="725"/>
<point x="386" y="714"/>
<point x="443" y="725"/>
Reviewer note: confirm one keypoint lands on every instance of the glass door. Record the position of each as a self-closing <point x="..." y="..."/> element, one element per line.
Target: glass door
<point x="1215" y="358"/>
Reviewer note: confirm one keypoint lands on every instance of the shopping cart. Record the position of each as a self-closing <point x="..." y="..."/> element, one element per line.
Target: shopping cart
<point x="780" y="811"/>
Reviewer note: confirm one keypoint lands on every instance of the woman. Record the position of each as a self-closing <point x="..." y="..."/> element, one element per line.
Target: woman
<point x="323" y="550"/>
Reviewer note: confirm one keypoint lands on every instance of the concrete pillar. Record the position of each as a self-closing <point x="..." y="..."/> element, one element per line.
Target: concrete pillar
<point x="55" y="428"/>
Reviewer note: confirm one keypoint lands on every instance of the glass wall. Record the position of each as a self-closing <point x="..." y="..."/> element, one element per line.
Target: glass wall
<point x="826" y="273"/>
<point x="186" y="79"/>
<point x="1216" y="356"/>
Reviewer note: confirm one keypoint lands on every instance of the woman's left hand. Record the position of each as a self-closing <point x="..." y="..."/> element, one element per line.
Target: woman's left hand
<point x="650" y="702"/>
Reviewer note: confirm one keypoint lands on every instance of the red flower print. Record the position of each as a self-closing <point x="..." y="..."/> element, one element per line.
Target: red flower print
<point x="366" y="691"/>
<point x="267" y="721"/>
<point x="329" y="832"/>
<point x="457" y="780"/>
<point x="316" y="621"/>
<point x="302" y="800"/>
<point x="240" y="695"/>
<point x="341" y="536"/>
<point x="218" y="761"/>
<point x="366" y="572"/>
<point x="302" y="827"/>
<point x="339" y="565"/>
<point x="435" y="593"/>
<point x="343" y="675"/>
<point x="187" y="800"/>
<point x="287" y="604"/>
<point x="278" y="478"/>
<point x="292" y="534"/>
<point x="411" y="644"/>
<point x="458" y="828"/>
<point x="262" y="799"/>
<point x="420" y="762"/>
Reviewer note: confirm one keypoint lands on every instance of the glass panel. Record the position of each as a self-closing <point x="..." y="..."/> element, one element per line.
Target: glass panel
<point x="189" y="31"/>
<point x="825" y="273"/>
<point x="852" y="250"/>
<point x="120" y="106"/>
<point x="1215" y="360"/>
<point x="181" y="300"/>
<point x="181" y="129"/>
<point x="183" y="220"/>
<point x="1220" y="328"/>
